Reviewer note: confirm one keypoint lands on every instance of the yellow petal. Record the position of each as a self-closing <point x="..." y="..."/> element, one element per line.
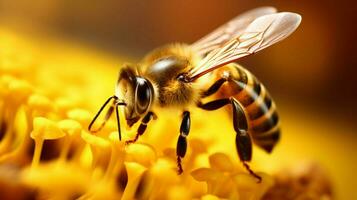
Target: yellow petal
<point x="141" y="153"/>
<point x="248" y="186"/>
<point x="198" y="146"/>
<point x="20" y="89"/>
<point x="63" y="105"/>
<point x="114" y="137"/>
<point x="4" y="85"/>
<point x="17" y="65"/>
<point x="46" y="129"/>
<point x="95" y="140"/>
<point x="71" y="127"/>
<point x="164" y="171"/>
<point x="80" y="115"/>
<point x="135" y="172"/>
<point x="205" y="174"/>
<point x="209" y="197"/>
<point x="39" y="102"/>
<point x="105" y="190"/>
<point x="59" y="179"/>
<point x="220" y="161"/>
<point x="179" y="192"/>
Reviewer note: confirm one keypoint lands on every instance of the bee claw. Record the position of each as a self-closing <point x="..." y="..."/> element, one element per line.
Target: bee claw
<point x="179" y="166"/>
<point x="128" y="142"/>
<point x="259" y="178"/>
<point x="179" y="171"/>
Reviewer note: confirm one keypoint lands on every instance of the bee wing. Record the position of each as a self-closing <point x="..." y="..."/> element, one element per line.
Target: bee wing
<point x="229" y="30"/>
<point x="261" y="33"/>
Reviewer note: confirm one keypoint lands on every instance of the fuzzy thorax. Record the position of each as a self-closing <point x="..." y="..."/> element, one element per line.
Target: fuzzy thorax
<point x="163" y="66"/>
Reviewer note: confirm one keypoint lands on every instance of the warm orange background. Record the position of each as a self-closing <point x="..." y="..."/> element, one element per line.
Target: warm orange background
<point x="316" y="65"/>
<point x="311" y="74"/>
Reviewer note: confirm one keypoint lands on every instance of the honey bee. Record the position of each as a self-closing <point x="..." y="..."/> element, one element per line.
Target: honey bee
<point x="182" y="75"/>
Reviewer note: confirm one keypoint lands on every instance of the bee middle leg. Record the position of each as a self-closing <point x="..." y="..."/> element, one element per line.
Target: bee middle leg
<point x="240" y="124"/>
<point x="215" y="87"/>
<point x="182" y="142"/>
<point x="150" y="115"/>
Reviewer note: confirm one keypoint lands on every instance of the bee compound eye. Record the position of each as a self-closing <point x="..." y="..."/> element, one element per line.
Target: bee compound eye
<point x="143" y="95"/>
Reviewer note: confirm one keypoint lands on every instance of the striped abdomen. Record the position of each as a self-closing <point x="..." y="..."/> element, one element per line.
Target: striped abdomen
<point x="260" y="109"/>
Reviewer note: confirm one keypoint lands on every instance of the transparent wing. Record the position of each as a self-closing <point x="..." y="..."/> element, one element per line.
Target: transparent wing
<point x="261" y="33"/>
<point x="230" y="30"/>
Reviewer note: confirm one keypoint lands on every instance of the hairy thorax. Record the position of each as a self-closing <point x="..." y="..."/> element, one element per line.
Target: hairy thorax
<point x="163" y="66"/>
<point x="176" y="93"/>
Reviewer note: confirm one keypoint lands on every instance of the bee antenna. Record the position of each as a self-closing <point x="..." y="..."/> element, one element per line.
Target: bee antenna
<point x="118" y="118"/>
<point x="108" y="114"/>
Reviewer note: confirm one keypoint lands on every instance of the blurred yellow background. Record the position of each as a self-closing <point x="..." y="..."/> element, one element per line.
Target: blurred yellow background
<point x="311" y="74"/>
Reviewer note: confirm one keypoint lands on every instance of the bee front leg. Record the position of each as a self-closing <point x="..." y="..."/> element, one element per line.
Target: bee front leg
<point x="240" y="124"/>
<point x="150" y="115"/>
<point x="182" y="142"/>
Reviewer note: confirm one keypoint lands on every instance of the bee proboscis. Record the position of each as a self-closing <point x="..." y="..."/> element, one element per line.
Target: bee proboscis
<point x="181" y="75"/>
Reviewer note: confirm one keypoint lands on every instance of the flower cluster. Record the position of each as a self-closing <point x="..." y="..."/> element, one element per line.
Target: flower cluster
<point x="46" y="151"/>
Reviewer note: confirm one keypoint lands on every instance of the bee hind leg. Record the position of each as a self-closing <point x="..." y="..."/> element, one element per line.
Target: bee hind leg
<point x="243" y="140"/>
<point x="142" y="128"/>
<point x="182" y="142"/>
<point x="240" y="124"/>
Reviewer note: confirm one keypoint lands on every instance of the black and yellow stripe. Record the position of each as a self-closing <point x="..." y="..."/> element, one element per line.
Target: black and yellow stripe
<point x="259" y="106"/>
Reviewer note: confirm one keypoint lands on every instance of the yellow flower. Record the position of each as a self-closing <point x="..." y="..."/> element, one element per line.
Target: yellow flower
<point x="39" y="118"/>
<point x="225" y="181"/>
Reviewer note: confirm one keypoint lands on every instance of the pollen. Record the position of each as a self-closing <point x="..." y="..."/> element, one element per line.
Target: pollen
<point x="46" y="151"/>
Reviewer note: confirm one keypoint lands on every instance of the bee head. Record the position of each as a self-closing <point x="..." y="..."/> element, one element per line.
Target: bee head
<point x="137" y="92"/>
